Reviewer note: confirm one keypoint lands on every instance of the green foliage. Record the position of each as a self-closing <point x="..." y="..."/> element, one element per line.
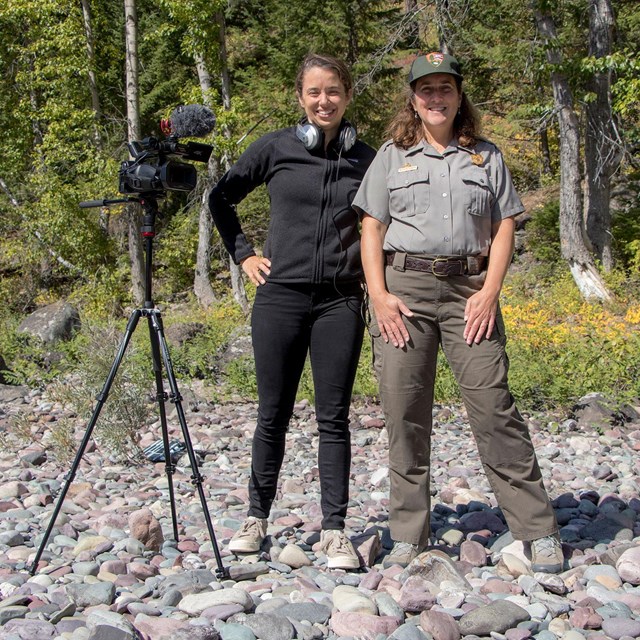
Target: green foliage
<point x="57" y="150"/>
<point x="175" y="258"/>
<point x="102" y="294"/>
<point x="198" y="357"/>
<point x="62" y="441"/>
<point x="239" y="380"/>
<point x="30" y="361"/>
<point x="562" y="348"/>
<point x="128" y="407"/>
<point x="543" y="234"/>
<point x="625" y="224"/>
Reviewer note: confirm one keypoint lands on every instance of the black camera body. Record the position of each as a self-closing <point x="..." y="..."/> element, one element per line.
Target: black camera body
<point x="154" y="169"/>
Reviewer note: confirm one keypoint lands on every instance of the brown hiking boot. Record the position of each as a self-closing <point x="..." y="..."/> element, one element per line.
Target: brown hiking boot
<point x="546" y="554"/>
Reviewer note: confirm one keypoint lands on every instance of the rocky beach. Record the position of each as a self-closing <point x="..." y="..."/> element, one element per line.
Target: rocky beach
<point x="112" y="570"/>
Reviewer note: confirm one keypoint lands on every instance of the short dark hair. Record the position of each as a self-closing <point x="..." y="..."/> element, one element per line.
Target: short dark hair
<point x="326" y="62"/>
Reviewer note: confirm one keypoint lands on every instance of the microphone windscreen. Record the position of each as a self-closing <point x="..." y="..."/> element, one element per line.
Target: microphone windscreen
<point x="192" y="121"/>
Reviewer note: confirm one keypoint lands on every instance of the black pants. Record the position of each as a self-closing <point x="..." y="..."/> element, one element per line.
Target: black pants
<point x="287" y="322"/>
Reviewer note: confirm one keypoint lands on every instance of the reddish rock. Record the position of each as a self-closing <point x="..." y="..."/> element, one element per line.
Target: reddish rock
<point x="368" y="547"/>
<point x="473" y="553"/>
<point x="366" y="624"/>
<point x="392" y="587"/>
<point x="188" y="546"/>
<point x="415" y="595"/>
<point x="500" y="586"/>
<point x="153" y="628"/>
<point x="145" y="527"/>
<point x="371" y="580"/>
<point x="585" y="618"/>
<point x="440" y="625"/>
<point x="142" y="571"/>
<point x="289" y="521"/>
<point x="61" y="571"/>
<point x="115" y="520"/>
<point x="127" y="580"/>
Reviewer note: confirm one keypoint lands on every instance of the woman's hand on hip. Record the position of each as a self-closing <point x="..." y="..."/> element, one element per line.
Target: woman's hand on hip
<point x="389" y="310"/>
<point x="255" y="267"/>
<point x="480" y="316"/>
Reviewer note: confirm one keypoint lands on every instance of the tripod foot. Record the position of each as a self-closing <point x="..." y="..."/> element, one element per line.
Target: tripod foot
<point x="222" y="572"/>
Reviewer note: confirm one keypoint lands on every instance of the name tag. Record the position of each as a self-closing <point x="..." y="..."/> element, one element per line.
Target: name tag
<point x="407" y="167"/>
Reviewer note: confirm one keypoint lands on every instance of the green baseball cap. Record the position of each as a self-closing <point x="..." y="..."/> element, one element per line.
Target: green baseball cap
<point x="434" y="62"/>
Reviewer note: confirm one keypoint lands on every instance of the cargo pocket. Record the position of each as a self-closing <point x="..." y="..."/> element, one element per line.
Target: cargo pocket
<point x="408" y="193"/>
<point x="478" y="198"/>
<point x="376" y="341"/>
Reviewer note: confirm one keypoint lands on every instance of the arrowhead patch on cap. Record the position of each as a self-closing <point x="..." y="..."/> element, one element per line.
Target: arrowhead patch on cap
<point x="435" y="58"/>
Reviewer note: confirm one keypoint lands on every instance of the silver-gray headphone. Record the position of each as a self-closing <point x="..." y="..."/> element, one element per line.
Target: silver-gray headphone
<point x="312" y="136"/>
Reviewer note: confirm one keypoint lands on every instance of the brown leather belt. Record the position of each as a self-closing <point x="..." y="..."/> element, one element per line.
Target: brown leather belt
<point x="458" y="266"/>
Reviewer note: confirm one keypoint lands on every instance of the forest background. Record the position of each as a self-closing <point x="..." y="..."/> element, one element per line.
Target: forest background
<point x="558" y="85"/>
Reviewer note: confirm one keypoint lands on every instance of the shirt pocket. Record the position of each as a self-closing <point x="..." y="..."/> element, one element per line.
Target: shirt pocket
<point x="408" y="193"/>
<point x="478" y="196"/>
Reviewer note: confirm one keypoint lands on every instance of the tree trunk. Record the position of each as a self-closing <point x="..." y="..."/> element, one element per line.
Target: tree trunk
<point x="218" y="165"/>
<point x="545" y="152"/>
<point x="413" y="31"/>
<point x="442" y="26"/>
<point x="237" y="282"/>
<point x="133" y="129"/>
<point x="202" y="279"/>
<point x="573" y="243"/>
<point x="95" y="97"/>
<point x="602" y="143"/>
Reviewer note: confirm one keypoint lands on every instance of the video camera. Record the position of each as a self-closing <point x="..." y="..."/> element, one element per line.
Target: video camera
<point x="153" y="167"/>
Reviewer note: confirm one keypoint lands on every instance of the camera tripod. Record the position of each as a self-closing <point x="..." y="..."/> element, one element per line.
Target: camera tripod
<point x="160" y="354"/>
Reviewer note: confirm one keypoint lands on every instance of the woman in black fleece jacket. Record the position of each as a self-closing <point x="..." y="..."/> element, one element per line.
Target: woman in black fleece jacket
<point x="309" y="292"/>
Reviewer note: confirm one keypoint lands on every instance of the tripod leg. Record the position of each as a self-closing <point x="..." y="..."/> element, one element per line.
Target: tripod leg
<point x="161" y="397"/>
<point x="196" y="477"/>
<point x="101" y="398"/>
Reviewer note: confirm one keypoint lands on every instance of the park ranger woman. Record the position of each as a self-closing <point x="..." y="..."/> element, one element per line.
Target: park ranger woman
<point x="438" y="208"/>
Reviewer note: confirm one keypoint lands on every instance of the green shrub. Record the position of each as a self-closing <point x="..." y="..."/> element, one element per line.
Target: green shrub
<point x="562" y="348"/>
<point x="542" y="238"/>
<point x="128" y="407"/>
<point x="30" y="361"/>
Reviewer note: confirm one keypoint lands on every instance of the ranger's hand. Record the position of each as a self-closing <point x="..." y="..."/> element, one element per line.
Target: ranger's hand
<point x="389" y="310"/>
<point x="480" y="316"/>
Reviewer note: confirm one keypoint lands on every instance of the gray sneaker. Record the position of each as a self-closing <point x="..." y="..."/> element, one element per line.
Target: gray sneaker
<point x="401" y="554"/>
<point x="249" y="537"/>
<point x="338" y="549"/>
<point x="546" y="554"/>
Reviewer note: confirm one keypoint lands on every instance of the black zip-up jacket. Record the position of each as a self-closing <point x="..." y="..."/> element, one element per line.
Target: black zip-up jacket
<point x="313" y="231"/>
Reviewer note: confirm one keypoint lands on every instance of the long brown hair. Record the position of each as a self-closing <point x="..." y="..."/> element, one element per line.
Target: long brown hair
<point x="405" y="128"/>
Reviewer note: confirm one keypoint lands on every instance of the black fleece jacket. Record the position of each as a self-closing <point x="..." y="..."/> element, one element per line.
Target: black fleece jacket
<point x="313" y="231"/>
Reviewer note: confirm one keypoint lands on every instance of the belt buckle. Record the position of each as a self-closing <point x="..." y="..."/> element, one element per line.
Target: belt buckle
<point x="433" y="266"/>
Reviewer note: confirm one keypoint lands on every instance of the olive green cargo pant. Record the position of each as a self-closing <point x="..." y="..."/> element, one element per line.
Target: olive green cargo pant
<point x="407" y="379"/>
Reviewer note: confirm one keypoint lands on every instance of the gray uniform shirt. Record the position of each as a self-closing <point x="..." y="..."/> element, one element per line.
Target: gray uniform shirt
<point x="438" y="204"/>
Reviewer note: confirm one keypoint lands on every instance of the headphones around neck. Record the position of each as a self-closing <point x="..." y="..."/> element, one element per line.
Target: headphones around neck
<point x="312" y="136"/>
